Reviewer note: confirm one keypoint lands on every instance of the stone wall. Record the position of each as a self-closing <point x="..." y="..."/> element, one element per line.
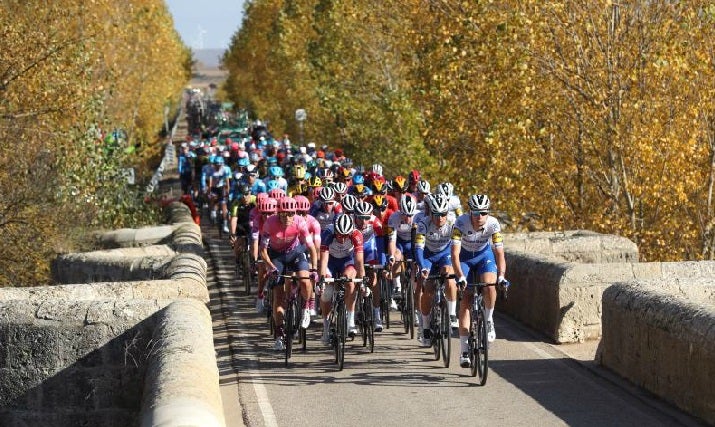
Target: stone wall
<point x="574" y="246"/>
<point x="130" y="343"/>
<point x="661" y="336"/>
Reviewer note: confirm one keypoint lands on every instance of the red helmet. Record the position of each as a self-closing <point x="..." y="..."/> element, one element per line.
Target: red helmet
<point x="287" y="204"/>
<point x="415" y="176"/>
<point x="267" y="205"/>
<point x="302" y="203"/>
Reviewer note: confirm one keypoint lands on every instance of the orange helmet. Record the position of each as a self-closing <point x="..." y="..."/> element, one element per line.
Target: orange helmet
<point x="378" y="185"/>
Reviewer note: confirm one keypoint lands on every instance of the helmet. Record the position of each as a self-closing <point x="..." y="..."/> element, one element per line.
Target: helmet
<point x="328" y="174"/>
<point x="287" y="204"/>
<point x="243" y="161"/>
<point x="380" y="202"/>
<point x="267" y="205"/>
<point x="340" y="188"/>
<point x="408" y="205"/>
<point x="251" y="170"/>
<point x="315" y="181"/>
<point x="377" y="168"/>
<point x="424" y="187"/>
<point x="439" y="204"/>
<point x="217" y="160"/>
<point x="261" y="196"/>
<point x="244" y="189"/>
<point x="299" y="171"/>
<point x="358" y="179"/>
<point x="378" y="184"/>
<point x="363" y="209"/>
<point x="302" y="203"/>
<point x="479" y="202"/>
<point x="345" y="172"/>
<point x="276" y="193"/>
<point x="327" y="194"/>
<point x="348" y="203"/>
<point x="344" y="224"/>
<point x="414" y="176"/>
<point x="399" y="183"/>
<point x="273" y="184"/>
<point x="445" y="188"/>
<point x="359" y="190"/>
<point x="275" y="171"/>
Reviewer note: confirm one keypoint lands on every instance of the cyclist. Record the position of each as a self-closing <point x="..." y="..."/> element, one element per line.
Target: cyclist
<point x="240" y="226"/>
<point x="186" y="168"/>
<point x="399" y="234"/>
<point x="412" y="180"/>
<point x="250" y="178"/>
<point x="266" y="206"/>
<point x="299" y="184"/>
<point x="455" y="206"/>
<point x="302" y="209"/>
<point x="314" y="184"/>
<point x="219" y="183"/>
<point x="325" y="208"/>
<point x="285" y="239"/>
<point x="432" y="248"/>
<point x="477" y="247"/>
<point x="423" y="189"/>
<point x="341" y="255"/>
<point x="373" y="237"/>
<point x="340" y="191"/>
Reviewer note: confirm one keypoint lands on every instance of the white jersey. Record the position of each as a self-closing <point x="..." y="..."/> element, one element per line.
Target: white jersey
<point x="398" y="228"/>
<point x="473" y="240"/>
<point x="455" y="209"/>
<point x="432" y="237"/>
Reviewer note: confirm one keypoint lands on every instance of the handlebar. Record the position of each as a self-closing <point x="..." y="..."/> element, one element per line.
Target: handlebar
<point x="374" y="267"/>
<point x="441" y="277"/>
<point x="340" y="279"/>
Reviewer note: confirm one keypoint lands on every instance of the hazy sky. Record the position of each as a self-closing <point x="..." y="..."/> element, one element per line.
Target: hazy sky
<point x="207" y="24"/>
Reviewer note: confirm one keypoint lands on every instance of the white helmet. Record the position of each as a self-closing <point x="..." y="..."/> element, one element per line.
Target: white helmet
<point x="340" y="187"/>
<point x="424" y="187"/>
<point x="445" y="188"/>
<point x="408" y="205"/>
<point x="479" y="202"/>
<point x="344" y="224"/>
<point x="327" y="194"/>
<point x="439" y="204"/>
<point x="377" y="168"/>
<point x="349" y="202"/>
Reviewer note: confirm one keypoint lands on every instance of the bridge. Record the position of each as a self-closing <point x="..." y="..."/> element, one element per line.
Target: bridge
<point x="153" y="330"/>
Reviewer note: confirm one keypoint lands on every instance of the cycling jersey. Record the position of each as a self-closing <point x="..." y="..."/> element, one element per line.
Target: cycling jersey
<point x="280" y="238"/>
<point x="399" y="228"/>
<point x="241" y="210"/>
<point x="432" y="244"/>
<point x="472" y="240"/>
<point x="341" y="246"/>
<point x="314" y="229"/>
<point x="373" y="240"/>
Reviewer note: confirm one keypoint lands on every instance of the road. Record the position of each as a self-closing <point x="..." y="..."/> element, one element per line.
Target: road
<point x="530" y="381"/>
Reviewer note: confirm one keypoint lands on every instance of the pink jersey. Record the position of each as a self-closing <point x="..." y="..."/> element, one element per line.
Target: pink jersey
<point x="314" y="229"/>
<point x="257" y="224"/>
<point x="280" y="238"/>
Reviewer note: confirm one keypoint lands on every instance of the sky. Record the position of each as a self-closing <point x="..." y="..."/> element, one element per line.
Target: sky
<point x="206" y="24"/>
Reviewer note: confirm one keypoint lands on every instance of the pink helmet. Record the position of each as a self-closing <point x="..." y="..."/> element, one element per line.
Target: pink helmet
<point x="277" y="193"/>
<point x="287" y="204"/>
<point x="267" y="205"/>
<point x="302" y="203"/>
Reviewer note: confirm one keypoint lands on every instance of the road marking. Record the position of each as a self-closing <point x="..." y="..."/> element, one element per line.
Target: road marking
<point x="544" y="354"/>
<point x="264" y="403"/>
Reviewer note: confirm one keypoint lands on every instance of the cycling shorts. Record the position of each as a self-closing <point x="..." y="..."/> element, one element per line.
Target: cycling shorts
<point x="405" y="246"/>
<point x="337" y="266"/>
<point x="478" y="263"/>
<point x="291" y="261"/>
<point x="435" y="261"/>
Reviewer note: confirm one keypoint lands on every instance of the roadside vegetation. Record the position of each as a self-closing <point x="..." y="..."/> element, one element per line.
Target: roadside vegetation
<point x="593" y="115"/>
<point x="83" y="87"/>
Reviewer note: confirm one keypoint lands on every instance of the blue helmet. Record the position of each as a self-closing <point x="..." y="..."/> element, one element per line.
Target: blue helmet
<point x="243" y="161"/>
<point x="272" y="184"/>
<point x="275" y="171"/>
<point x="217" y="160"/>
<point x="358" y="179"/>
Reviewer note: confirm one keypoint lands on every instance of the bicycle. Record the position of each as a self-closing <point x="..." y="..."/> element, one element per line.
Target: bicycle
<point x="364" y="318"/>
<point x="477" y="341"/>
<point x="338" y="318"/>
<point x="407" y="299"/>
<point x="385" y="292"/>
<point x="439" y="323"/>
<point x="244" y="263"/>
<point x="293" y="314"/>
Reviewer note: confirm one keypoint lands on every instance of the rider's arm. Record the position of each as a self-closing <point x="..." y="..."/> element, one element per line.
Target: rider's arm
<point x="360" y="264"/>
<point x="498" y="248"/>
<point x="455" y="250"/>
<point x="419" y="244"/>
<point x="324" y="256"/>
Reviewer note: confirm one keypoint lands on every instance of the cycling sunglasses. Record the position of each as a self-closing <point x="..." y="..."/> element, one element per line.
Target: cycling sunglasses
<point x="479" y="213"/>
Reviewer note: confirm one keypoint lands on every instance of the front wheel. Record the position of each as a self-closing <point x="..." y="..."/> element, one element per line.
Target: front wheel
<point x="435" y="328"/>
<point x="445" y="335"/>
<point x="482" y="348"/>
<point x="342" y="329"/>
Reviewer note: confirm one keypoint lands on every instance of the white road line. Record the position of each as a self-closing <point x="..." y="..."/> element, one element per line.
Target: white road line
<point x="269" y="417"/>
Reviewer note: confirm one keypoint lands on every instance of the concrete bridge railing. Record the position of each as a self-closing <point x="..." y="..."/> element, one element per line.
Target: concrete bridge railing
<point x="129" y="343"/>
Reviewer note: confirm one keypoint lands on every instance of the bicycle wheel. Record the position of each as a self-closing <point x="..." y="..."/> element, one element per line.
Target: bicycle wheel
<point x="369" y="324"/>
<point x="445" y="335"/>
<point x="410" y="307"/>
<point x="341" y="335"/>
<point x="247" y="277"/>
<point x="482" y="347"/>
<point x="384" y="302"/>
<point x="436" y="331"/>
<point x="302" y="332"/>
<point x="288" y="330"/>
<point x="361" y="316"/>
